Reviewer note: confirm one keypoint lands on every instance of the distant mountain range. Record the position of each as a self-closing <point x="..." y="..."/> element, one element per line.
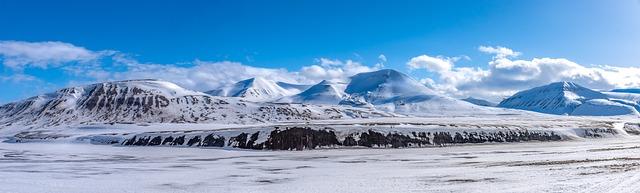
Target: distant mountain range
<point x="155" y="101"/>
<point x="386" y="90"/>
<point x="381" y="93"/>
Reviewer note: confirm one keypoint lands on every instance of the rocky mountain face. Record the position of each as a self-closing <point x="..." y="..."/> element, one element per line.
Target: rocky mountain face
<point x="331" y="136"/>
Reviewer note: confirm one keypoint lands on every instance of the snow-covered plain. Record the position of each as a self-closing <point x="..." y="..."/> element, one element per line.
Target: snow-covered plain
<point x="596" y="165"/>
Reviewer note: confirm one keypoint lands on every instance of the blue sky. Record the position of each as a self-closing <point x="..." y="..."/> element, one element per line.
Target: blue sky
<point x="291" y="35"/>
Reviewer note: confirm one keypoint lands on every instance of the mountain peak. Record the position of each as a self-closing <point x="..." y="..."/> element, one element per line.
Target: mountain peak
<point x="555" y="98"/>
<point x="137" y="80"/>
<point x="325" y="92"/>
<point x="394" y="91"/>
<point x="565" y="85"/>
<point x="253" y="81"/>
<point x="391" y="81"/>
<point x="257" y="89"/>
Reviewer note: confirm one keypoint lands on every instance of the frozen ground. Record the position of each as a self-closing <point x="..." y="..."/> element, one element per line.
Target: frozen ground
<point x="596" y="165"/>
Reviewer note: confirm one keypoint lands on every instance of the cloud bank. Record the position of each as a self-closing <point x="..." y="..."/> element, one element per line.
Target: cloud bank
<point x="505" y="74"/>
<point x="104" y="65"/>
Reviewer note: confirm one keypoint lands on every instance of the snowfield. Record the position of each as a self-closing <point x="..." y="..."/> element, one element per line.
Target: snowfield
<point x="597" y="165"/>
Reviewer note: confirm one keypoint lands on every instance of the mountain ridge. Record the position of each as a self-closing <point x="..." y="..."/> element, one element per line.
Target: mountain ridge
<point x="258" y="89"/>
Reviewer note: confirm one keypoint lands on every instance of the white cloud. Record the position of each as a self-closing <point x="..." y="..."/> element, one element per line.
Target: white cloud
<point x="499" y="51"/>
<point x="326" y="62"/>
<point x="19" y="54"/>
<point x="437" y="64"/>
<point x="208" y="75"/>
<point x="504" y="76"/>
<point x="18" y="78"/>
<point x="382" y="58"/>
<point x="202" y="75"/>
<point x="337" y="70"/>
<point x="82" y="65"/>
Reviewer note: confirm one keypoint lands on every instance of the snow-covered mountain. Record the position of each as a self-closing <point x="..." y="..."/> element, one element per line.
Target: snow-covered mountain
<point x="325" y="92"/>
<point x="567" y="98"/>
<point x="155" y="101"/>
<point x="393" y="91"/>
<point x="258" y="89"/>
<point x="480" y="102"/>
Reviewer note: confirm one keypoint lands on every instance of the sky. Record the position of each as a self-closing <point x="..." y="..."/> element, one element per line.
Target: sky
<point x="484" y="49"/>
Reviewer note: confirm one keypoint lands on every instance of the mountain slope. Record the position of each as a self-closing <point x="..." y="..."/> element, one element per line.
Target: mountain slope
<point x="604" y="107"/>
<point x="258" y="89"/>
<point x="379" y="86"/>
<point x="325" y="92"/>
<point x="567" y="98"/>
<point x="141" y="101"/>
<point x="393" y="91"/>
<point x="480" y="102"/>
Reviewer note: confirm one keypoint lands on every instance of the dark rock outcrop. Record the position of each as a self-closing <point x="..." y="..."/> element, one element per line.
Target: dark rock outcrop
<point x="301" y="138"/>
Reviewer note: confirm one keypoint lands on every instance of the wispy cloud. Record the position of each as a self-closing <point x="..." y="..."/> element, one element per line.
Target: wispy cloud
<point x="19" y="54"/>
<point x="333" y="69"/>
<point x="499" y="51"/>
